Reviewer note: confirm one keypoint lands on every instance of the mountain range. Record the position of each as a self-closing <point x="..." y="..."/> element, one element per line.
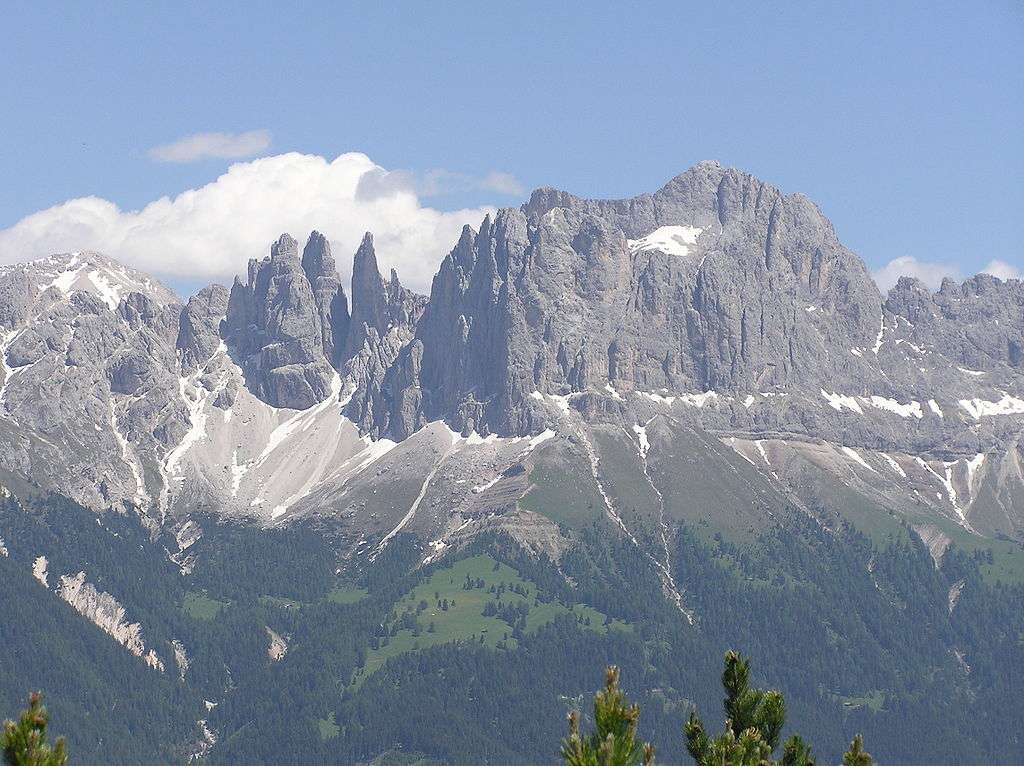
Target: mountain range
<point x="707" y="362"/>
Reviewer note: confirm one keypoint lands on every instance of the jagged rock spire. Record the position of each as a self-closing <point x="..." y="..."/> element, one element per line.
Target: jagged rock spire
<point x="331" y="302"/>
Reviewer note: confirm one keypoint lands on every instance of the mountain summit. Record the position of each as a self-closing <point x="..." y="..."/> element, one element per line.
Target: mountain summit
<point x="717" y="305"/>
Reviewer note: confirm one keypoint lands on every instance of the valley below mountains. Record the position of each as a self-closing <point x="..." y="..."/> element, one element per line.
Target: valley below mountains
<point x="289" y="521"/>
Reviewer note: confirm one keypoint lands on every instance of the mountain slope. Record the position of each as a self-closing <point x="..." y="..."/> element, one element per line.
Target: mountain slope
<point x="697" y="397"/>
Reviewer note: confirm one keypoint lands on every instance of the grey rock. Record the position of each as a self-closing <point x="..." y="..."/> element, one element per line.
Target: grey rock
<point x="552" y="298"/>
<point x="199" y="328"/>
<point x="386" y="399"/>
<point x="274" y="327"/>
<point x="331" y="302"/>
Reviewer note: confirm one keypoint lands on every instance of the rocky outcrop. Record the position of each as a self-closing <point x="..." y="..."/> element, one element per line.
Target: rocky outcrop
<point x="199" y="328"/>
<point x="107" y="613"/>
<point x="382" y="368"/>
<point x="978" y="324"/>
<point x="716" y="282"/>
<point x="331" y="303"/>
<point x="274" y="325"/>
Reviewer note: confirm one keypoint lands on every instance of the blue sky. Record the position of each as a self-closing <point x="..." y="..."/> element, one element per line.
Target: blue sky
<point x="903" y="121"/>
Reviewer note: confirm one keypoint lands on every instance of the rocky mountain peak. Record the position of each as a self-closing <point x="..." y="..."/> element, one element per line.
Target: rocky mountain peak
<point x="285" y="250"/>
<point x="275" y="323"/>
<point x="369" y="294"/>
<point x="331" y="302"/>
<point x="717" y="300"/>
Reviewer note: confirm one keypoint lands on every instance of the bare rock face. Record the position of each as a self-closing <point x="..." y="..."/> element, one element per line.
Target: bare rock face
<point x="199" y="328"/>
<point x="717" y="303"/>
<point x="275" y="325"/>
<point x="331" y="303"/>
<point x="979" y="324"/>
<point x="713" y="283"/>
<point x="385" y="401"/>
<point x="108" y="614"/>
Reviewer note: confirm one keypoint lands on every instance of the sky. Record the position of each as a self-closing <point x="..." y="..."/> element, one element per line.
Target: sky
<point x="182" y="138"/>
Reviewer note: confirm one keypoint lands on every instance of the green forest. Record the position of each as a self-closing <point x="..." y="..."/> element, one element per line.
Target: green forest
<point x="479" y="657"/>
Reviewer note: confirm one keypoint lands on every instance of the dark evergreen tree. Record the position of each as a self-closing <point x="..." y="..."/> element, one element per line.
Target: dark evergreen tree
<point x="753" y="725"/>
<point x="24" y="742"/>
<point x="856" y="756"/>
<point x="613" y="741"/>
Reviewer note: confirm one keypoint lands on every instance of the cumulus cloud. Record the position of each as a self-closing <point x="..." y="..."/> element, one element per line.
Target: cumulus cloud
<point x="210" y="233"/>
<point x="437" y="183"/>
<point x="204" y="146"/>
<point x="1002" y="269"/>
<point x="932" y="274"/>
<point x="502" y="183"/>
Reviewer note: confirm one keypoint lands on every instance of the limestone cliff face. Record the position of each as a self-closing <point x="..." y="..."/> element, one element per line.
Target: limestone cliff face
<point x="107" y="613"/>
<point x="331" y="303"/>
<point x="716" y="282"/>
<point x="277" y="326"/>
<point x="718" y="298"/>
<point x="385" y="401"/>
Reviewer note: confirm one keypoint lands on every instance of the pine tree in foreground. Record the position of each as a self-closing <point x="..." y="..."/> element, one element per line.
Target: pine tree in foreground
<point x="856" y="756"/>
<point x="753" y="726"/>
<point x="24" y="742"/>
<point x="613" y="742"/>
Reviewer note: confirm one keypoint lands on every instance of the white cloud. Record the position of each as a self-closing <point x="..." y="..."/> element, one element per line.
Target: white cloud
<point x="437" y="183"/>
<point x="212" y="231"/>
<point x="932" y="274"/>
<point x="502" y="183"/>
<point x="203" y="146"/>
<point x="1002" y="269"/>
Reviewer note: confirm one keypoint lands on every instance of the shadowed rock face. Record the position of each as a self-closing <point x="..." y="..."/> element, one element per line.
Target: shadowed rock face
<point x="717" y="301"/>
<point x="328" y="295"/>
<point x="282" y="329"/>
<point x="564" y="295"/>
<point x="384" y="318"/>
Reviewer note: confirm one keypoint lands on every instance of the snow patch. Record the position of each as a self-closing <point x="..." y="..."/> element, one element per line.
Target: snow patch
<point x="838" y="402"/>
<point x="642" y="440"/>
<point x="539" y="439"/>
<point x="878" y="340"/>
<point x="934" y="407"/>
<point x="108" y="292"/>
<point x="973" y="465"/>
<point x="855" y="456"/>
<point x="142" y="497"/>
<point x="980" y="408"/>
<point x="693" y="399"/>
<point x="911" y="409"/>
<point x="671" y="240"/>
<point x="238" y="472"/>
<point x="894" y="465"/>
<point x="8" y="372"/>
<point x="484" y="487"/>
